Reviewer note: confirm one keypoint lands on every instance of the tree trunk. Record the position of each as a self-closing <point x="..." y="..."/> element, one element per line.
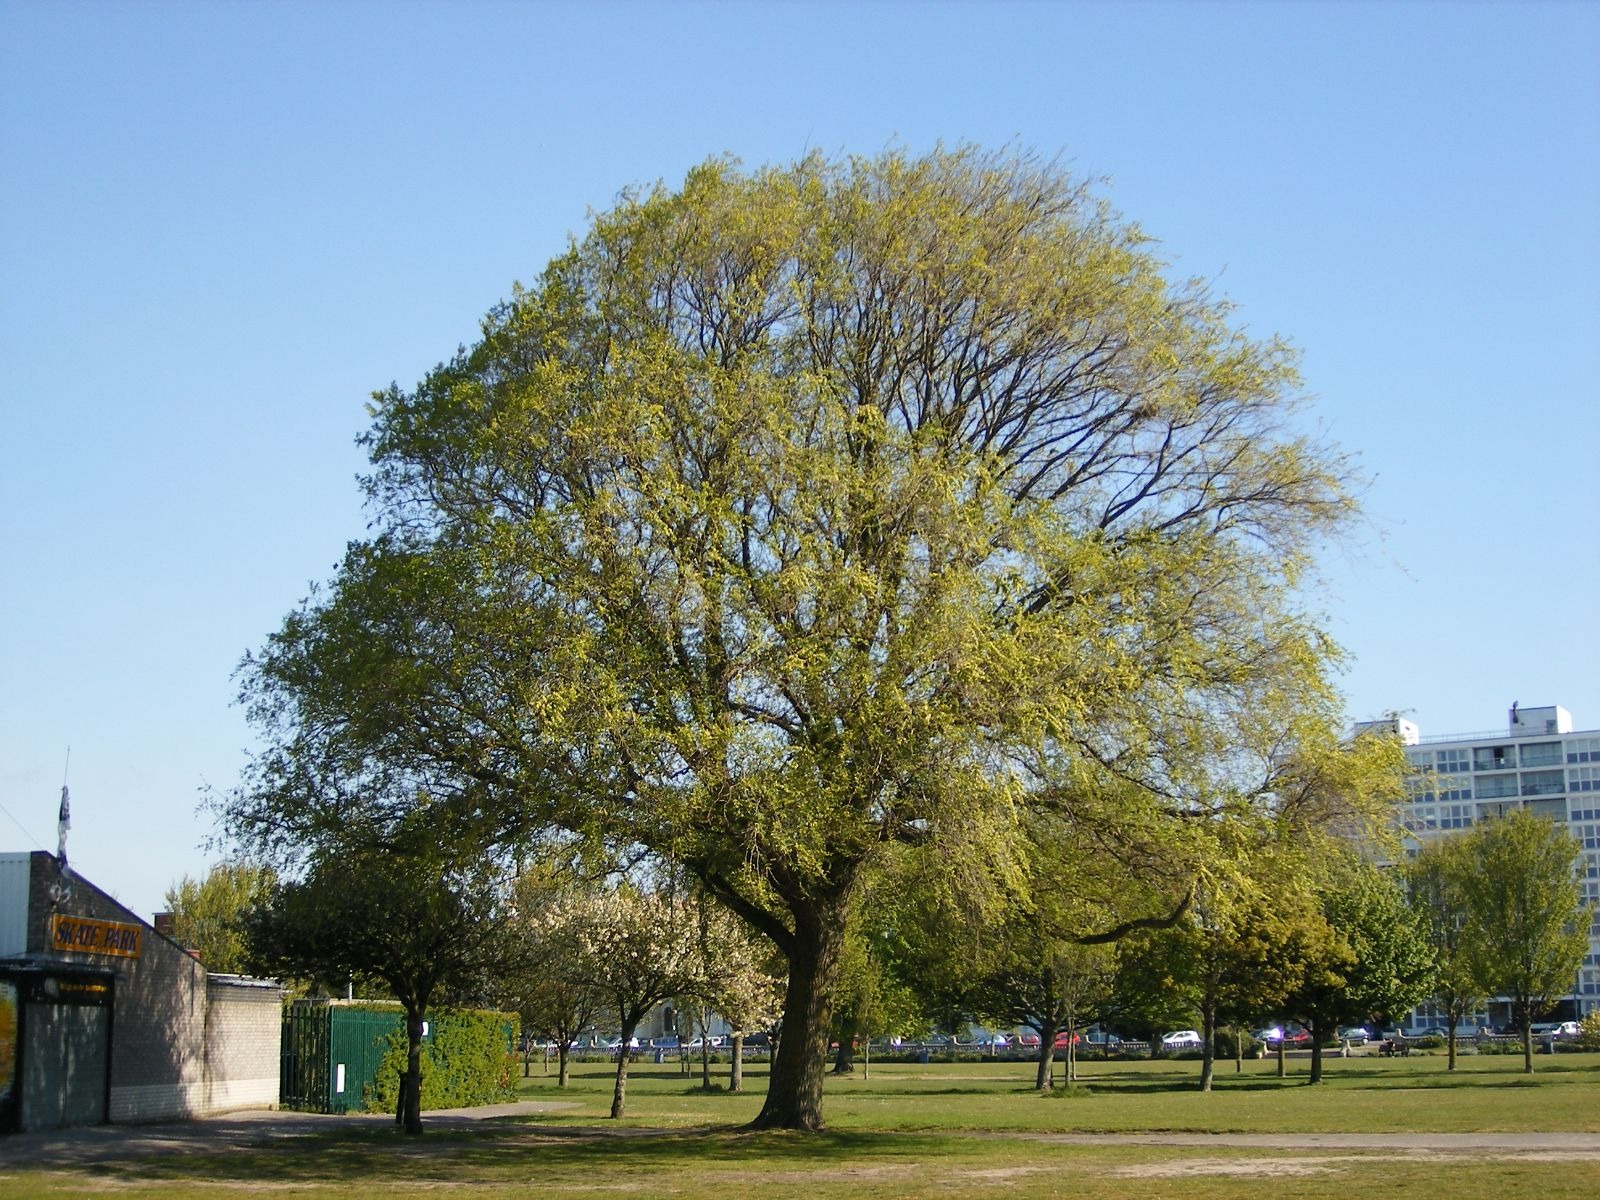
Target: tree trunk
<point x="705" y="1050"/>
<point x="1238" y="1051"/>
<point x="1072" y="1044"/>
<point x="736" y="1070"/>
<point x="619" y="1094"/>
<point x="1281" y="1041"/>
<point x="1045" y="1076"/>
<point x="1450" y="1045"/>
<point x="564" y="1061"/>
<point x="844" y="1063"/>
<point x="794" y="1088"/>
<point x="1316" y="1052"/>
<point x="1208" y="1047"/>
<point x="1527" y="1045"/>
<point x="411" y="1085"/>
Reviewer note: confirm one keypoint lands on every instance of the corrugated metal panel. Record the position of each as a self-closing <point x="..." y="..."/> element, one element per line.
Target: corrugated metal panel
<point x="331" y="1053"/>
<point x="359" y="1039"/>
<point x="14" y="872"/>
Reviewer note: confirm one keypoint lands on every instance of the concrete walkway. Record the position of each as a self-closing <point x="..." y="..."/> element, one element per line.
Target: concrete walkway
<point x="98" y="1144"/>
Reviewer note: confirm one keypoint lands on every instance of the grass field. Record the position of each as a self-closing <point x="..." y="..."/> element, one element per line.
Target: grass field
<point x="971" y="1129"/>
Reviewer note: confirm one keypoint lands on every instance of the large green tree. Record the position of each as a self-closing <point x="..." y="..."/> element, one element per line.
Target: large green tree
<point x="801" y="512"/>
<point x="1527" y="927"/>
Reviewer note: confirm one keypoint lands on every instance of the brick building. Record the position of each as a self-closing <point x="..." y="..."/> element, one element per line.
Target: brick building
<point x="104" y="1019"/>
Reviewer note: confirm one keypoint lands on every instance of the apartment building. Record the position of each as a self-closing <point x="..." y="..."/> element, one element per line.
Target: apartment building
<point x="1536" y="761"/>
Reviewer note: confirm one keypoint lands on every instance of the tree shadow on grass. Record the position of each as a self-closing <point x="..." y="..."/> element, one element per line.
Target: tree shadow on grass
<point x="506" y="1152"/>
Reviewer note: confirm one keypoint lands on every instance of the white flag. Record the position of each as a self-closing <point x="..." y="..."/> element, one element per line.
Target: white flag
<point x="63" y="823"/>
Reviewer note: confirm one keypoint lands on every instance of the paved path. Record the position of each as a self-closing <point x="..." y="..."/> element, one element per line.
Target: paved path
<point x="257" y="1128"/>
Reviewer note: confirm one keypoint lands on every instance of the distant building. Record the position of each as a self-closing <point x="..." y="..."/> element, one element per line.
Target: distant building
<point x="102" y="1018"/>
<point x="1538" y="762"/>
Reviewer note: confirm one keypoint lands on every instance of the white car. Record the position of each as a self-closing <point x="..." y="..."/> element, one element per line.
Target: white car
<point x="1183" y="1039"/>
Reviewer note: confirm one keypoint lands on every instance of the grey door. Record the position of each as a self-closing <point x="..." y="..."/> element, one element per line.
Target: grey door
<point x="65" y="1054"/>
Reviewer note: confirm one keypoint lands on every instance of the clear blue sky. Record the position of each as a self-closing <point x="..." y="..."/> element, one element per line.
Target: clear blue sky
<point x="223" y="225"/>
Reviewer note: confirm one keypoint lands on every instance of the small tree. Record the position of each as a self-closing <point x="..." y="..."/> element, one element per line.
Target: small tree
<point x="643" y="952"/>
<point x="208" y="915"/>
<point x="425" y="926"/>
<point x="554" y="990"/>
<point x="1435" y="881"/>
<point x="1225" y="963"/>
<point x="738" y="980"/>
<point x="1527" y="925"/>
<point x="1370" y="956"/>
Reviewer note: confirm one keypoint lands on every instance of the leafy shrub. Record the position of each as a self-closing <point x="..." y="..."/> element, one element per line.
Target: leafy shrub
<point x="1589" y="1030"/>
<point x="469" y="1058"/>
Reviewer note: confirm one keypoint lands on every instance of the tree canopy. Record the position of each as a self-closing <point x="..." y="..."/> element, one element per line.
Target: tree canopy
<point x="803" y="511"/>
<point x="1527" y="928"/>
<point x="208" y="914"/>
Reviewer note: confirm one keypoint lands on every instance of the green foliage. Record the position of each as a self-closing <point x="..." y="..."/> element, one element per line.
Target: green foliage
<point x="1589" y="1030"/>
<point x="805" y="512"/>
<point x="1528" y="928"/>
<point x="427" y="923"/>
<point x="1363" y="951"/>
<point x="208" y="915"/>
<point x="468" y="1059"/>
<point x="1437" y="884"/>
<point x="419" y="924"/>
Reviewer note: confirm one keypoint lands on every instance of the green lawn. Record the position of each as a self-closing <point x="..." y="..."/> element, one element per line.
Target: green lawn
<point x="1359" y="1095"/>
<point x="969" y="1129"/>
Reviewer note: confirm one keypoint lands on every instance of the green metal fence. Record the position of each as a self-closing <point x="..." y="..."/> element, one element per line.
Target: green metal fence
<point x="331" y="1052"/>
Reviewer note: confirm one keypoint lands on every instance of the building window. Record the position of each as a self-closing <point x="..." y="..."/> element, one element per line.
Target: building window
<point x="1422" y="820"/>
<point x="1541" y="754"/>
<point x="1494" y="787"/>
<point x="1583" y="779"/>
<point x="1494" y="758"/>
<point x="1543" y="783"/>
<point x="1455" y="761"/>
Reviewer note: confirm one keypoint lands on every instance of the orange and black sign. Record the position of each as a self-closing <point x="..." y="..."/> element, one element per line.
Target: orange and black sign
<point x="85" y="935"/>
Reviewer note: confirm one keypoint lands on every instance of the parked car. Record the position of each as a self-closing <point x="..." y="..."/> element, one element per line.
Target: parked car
<point x="1435" y="1031"/>
<point x="1566" y="1031"/>
<point x="1273" y="1035"/>
<point x="1182" y="1039"/>
<point x="1064" y="1039"/>
<point x="1355" y="1033"/>
<point x="1028" y="1041"/>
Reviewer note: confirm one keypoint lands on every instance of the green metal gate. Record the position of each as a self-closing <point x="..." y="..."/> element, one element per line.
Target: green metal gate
<point x="331" y="1052"/>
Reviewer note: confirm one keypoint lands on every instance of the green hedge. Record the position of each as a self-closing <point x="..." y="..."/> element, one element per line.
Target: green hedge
<point x="468" y="1058"/>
